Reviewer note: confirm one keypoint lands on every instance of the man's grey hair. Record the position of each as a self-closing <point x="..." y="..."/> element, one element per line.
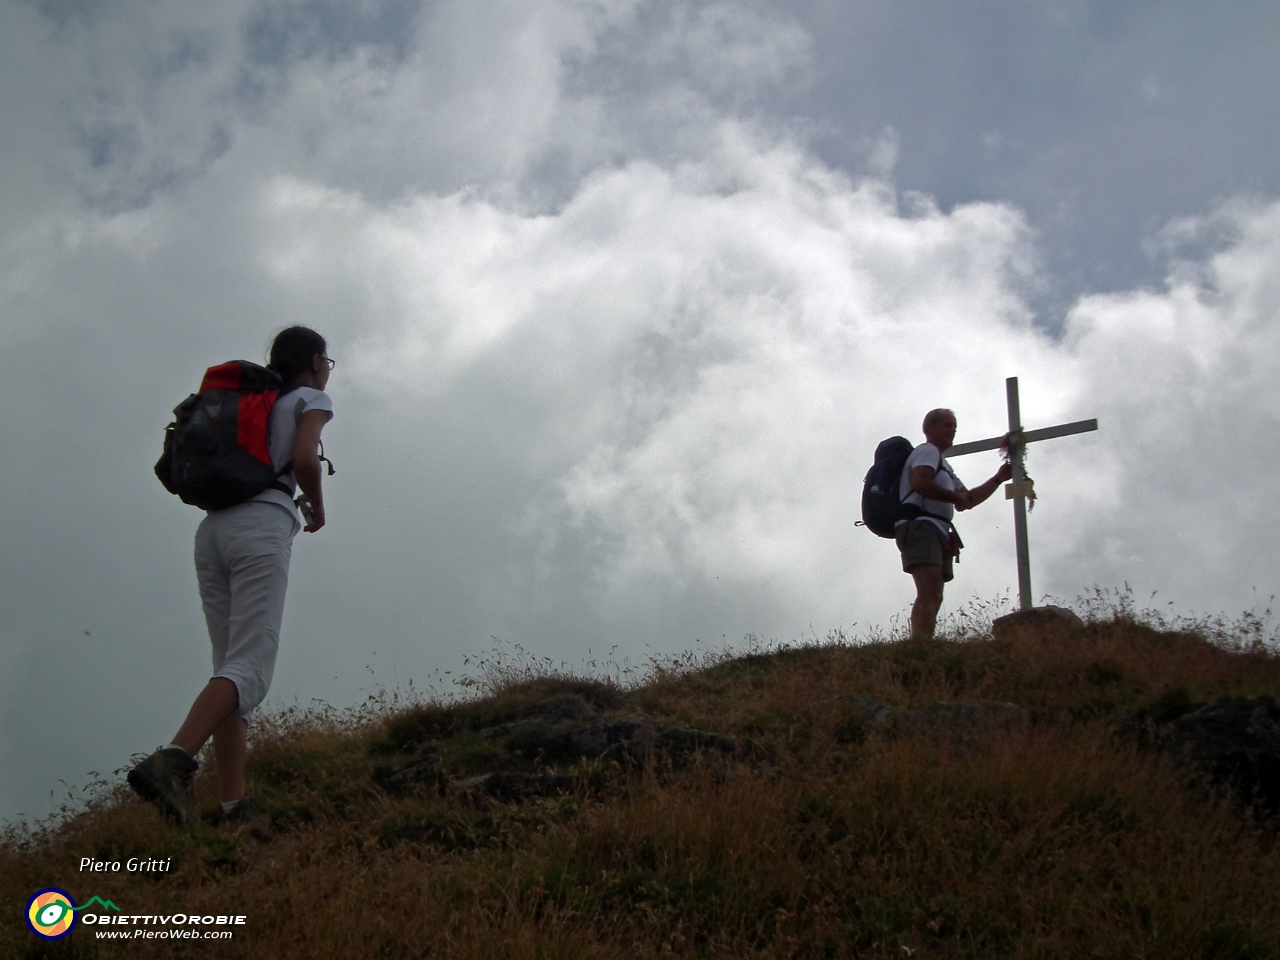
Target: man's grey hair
<point x="933" y="416"/>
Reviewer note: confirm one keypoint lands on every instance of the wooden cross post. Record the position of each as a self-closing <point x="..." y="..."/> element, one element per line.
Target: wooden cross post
<point x="1020" y="488"/>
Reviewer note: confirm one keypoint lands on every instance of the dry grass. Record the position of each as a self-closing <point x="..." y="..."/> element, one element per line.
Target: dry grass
<point x="1059" y="839"/>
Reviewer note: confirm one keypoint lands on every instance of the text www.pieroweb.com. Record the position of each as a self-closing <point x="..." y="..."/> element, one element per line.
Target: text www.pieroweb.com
<point x="175" y="927"/>
<point x="143" y="934"/>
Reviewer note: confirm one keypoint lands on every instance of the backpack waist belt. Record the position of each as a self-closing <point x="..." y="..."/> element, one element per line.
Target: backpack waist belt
<point x="916" y="513"/>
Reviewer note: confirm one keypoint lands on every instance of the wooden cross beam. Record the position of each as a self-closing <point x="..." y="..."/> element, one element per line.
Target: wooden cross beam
<point x="1020" y="488"/>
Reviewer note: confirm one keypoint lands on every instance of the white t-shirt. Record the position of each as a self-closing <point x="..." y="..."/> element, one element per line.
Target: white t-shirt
<point x="281" y="432"/>
<point x="927" y="455"/>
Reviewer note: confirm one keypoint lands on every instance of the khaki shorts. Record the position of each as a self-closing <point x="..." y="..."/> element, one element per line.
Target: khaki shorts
<point x="920" y="541"/>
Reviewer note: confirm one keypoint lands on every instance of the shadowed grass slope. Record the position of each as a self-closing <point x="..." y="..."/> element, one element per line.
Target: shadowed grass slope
<point x="1061" y="837"/>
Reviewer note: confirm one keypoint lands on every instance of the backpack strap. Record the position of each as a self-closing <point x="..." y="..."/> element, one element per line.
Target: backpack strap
<point x="913" y="512"/>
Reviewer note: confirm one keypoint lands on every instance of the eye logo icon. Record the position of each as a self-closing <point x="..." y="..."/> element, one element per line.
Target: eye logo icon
<point x="51" y="913"/>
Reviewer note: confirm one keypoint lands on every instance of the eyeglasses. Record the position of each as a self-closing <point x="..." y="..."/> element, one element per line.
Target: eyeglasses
<point x="330" y="361"/>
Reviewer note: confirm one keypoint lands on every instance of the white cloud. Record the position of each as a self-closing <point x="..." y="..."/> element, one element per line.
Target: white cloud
<point x="730" y="338"/>
<point x="1185" y="380"/>
<point x="734" y="49"/>
<point x="720" y="345"/>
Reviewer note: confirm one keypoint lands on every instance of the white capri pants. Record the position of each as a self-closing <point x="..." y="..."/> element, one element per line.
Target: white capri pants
<point x="242" y="565"/>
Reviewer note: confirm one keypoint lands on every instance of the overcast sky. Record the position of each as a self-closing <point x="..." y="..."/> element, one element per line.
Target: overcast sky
<point x="623" y="294"/>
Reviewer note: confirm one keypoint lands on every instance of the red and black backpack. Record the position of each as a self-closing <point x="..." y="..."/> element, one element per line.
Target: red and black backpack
<point x="215" y="451"/>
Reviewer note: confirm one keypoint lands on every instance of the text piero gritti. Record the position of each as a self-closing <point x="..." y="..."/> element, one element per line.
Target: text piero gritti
<point x="132" y="865"/>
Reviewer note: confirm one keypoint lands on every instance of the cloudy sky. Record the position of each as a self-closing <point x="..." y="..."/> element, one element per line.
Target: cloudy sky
<point x="623" y="293"/>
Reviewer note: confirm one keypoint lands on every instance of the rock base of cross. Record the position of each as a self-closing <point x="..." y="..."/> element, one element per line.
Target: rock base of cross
<point x="1044" y="619"/>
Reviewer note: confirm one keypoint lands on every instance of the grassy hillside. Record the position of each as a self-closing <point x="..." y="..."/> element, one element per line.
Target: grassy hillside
<point x="801" y="830"/>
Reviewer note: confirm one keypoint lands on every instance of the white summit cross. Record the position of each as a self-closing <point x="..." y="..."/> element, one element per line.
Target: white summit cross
<point x="1020" y="488"/>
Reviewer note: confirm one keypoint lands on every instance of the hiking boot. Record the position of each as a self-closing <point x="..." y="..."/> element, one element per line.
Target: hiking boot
<point x="164" y="778"/>
<point x="246" y="812"/>
<point x="247" y="817"/>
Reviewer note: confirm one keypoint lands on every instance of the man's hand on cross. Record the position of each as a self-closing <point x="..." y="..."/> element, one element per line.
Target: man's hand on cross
<point x="968" y="499"/>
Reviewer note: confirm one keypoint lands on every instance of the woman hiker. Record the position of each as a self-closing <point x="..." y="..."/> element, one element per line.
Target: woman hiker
<point x="242" y="565"/>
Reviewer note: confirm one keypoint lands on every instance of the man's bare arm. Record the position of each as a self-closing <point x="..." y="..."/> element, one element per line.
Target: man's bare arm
<point x="985" y="490"/>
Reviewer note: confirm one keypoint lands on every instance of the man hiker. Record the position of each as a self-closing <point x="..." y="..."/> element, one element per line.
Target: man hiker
<point x="928" y="542"/>
<point x="242" y="567"/>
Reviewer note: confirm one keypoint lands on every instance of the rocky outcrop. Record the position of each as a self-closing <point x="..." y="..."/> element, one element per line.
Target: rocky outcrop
<point x="515" y="785"/>
<point x="422" y="771"/>
<point x="546" y="754"/>
<point x="1235" y="742"/>
<point x="1039" y="619"/>
<point x="960" y="720"/>
<point x="621" y="742"/>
